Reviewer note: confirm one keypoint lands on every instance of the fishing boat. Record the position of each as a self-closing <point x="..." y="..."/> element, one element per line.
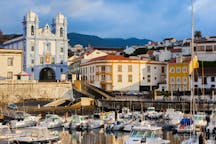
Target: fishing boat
<point x="146" y="135"/>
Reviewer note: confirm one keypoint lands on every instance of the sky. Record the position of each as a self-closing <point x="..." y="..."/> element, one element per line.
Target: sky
<point x="151" y="19"/>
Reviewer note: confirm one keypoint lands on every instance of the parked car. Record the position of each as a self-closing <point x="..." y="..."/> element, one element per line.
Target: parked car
<point x="12" y="106"/>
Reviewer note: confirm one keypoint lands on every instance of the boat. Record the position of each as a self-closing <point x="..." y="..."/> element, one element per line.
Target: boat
<point x="76" y="121"/>
<point x="175" y="118"/>
<point x="28" y="121"/>
<point x="186" y="126"/>
<point x="212" y="123"/>
<point x="152" y="114"/>
<point x="51" y="121"/>
<point x="35" y="135"/>
<point x="93" y="124"/>
<point x="5" y="133"/>
<point x="146" y="135"/>
<point x="200" y="120"/>
<point x="128" y="127"/>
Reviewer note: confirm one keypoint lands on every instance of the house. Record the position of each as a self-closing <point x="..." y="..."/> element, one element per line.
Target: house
<point x="11" y="63"/>
<point x="179" y="71"/>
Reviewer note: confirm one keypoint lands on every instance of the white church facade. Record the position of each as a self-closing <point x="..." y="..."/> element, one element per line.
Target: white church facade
<point x="45" y="50"/>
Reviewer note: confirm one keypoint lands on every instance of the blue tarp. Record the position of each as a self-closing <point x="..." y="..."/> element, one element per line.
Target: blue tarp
<point x="186" y="121"/>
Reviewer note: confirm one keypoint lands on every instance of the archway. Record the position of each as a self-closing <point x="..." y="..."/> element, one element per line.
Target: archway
<point x="47" y="74"/>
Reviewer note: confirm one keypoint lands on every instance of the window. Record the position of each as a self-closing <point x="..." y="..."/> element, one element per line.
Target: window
<point x="103" y="68"/>
<point x="62" y="49"/>
<point x="10" y="75"/>
<point x="155" y="78"/>
<point x="119" y="78"/>
<point x="41" y="60"/>
<point x="178" y="80"/>
<point x="172" y="69"/>
<point x="103" y="77"/>
<point x="53" y="60"/>
<point x="148" y="69"/>
<point x="61" y="70"/>
<point x="61" y="32"/>
<point x="61" y="61"/>
<point x="172" y="80"/>
<point x="205" y="80"/>
<point x="209" y="48"/>
<point x="10" y="61"/>
<point x="32" y="48"/>
<point x="162" y="69"/>
<point x="119" y="68"/>
<point x="184" y="79"/>
<point x="212" y="79"/>
<point x="184" y="69"/>
<point x="32" y="61"/>
<point x="155" y="67"/>
<point x="32" y="69"/>
<point x="178" y="70"/>
<point x="130" y="78"/>
<point x="212" y="86"/>
<point x="129" y="68"/>
<point x="32" y="30"/>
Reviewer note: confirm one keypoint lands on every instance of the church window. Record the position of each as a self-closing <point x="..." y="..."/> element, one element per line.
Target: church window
<point x="61" y="32"/>
<point x="61" y="70"/>
<point x="32" y="30"/>
<point x="41" y="60"/>
<point x="53" y="60"/>
<point x="32" y="48"/>
<point x="61" y="49"/>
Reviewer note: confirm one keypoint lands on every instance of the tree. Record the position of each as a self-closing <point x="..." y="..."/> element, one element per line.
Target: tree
<point x="197" y="34"/>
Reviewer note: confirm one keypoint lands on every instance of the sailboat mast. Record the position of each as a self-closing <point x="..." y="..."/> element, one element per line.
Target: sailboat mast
<point x="192" y="60"/>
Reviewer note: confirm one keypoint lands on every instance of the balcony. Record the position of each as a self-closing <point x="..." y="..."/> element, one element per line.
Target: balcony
<point x="104" y="73"/>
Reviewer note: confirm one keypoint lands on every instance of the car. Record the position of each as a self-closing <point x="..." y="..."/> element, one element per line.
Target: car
<point x="12" y="106"/>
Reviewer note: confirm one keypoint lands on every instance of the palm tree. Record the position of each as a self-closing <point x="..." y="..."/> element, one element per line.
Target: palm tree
<point x="197" y="34"/>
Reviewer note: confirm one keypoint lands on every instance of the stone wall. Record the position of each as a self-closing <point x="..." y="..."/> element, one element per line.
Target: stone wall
<point x="15" y="91"/>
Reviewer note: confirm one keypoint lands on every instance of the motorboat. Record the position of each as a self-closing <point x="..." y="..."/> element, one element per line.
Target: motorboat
<point x="117" y="125"/>
<point x="77" y="121"/>
<point x="128" y="127"/>
<point x="175" y="118"/>
<point x="186" y="126"/>
<point x="51" y="121"/>
<point x="125" y="114"/>
<point x="146" y="135"/>
<point x="212" y="123"/>
<point x="35" y="135"/>
<point x="94" y="123"/>
<point x="200" y="120"/>
<point x="5" y="133"/>
<point x="28" y="121"/>
<point x="152" y="114"/>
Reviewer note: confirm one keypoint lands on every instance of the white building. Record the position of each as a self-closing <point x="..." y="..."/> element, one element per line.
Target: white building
<point x="45" y="49"/>
<point x="118" y="73"/>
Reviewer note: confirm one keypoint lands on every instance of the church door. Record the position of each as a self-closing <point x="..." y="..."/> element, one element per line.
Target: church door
<point x="47" y="74"/>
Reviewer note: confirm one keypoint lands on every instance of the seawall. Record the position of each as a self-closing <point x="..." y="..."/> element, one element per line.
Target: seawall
<point x="15" y="91"/>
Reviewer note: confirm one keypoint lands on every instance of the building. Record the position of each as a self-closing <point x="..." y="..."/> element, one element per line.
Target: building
<point x="11" y="63"/>
<point x="119" y="73"/>
<point x="205" y="77"/>
<point x="179" y="71"/>
<point x="45" y="50"/>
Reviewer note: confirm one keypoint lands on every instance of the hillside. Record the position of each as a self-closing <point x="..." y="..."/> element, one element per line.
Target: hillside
<point x="85" y="40"/>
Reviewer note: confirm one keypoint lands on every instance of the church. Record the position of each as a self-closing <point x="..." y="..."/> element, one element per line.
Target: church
<point x="45" y="50"/>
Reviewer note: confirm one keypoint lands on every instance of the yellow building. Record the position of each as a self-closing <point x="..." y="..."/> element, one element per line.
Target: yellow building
<point x="11" y="64"/>
<point x="179" y="72"/>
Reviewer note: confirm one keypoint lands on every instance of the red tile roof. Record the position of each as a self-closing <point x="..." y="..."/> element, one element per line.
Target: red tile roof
<point x="111" y="57"/>
<point x="150" y="52"/>
<point x="175" y="50"/>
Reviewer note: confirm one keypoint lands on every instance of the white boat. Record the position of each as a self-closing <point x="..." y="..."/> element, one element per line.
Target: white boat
<point x="146" y="135"/>
<point x="76" y="121"/>
<point x="93" y="124"/>
<point x="5" y="133"/>
<point x="200" y="120"/>
<point x="128" y="127"/>
<point x="51" y="121"/>
<point x="175" y="118"/>
<point x="212" y="124"/>
<point x="126" y="114"/>
<point x="28" y="121"/>
<point x="35" y="135"/>
<point x="117" y="125"/>
<point x="152" y="114"/>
